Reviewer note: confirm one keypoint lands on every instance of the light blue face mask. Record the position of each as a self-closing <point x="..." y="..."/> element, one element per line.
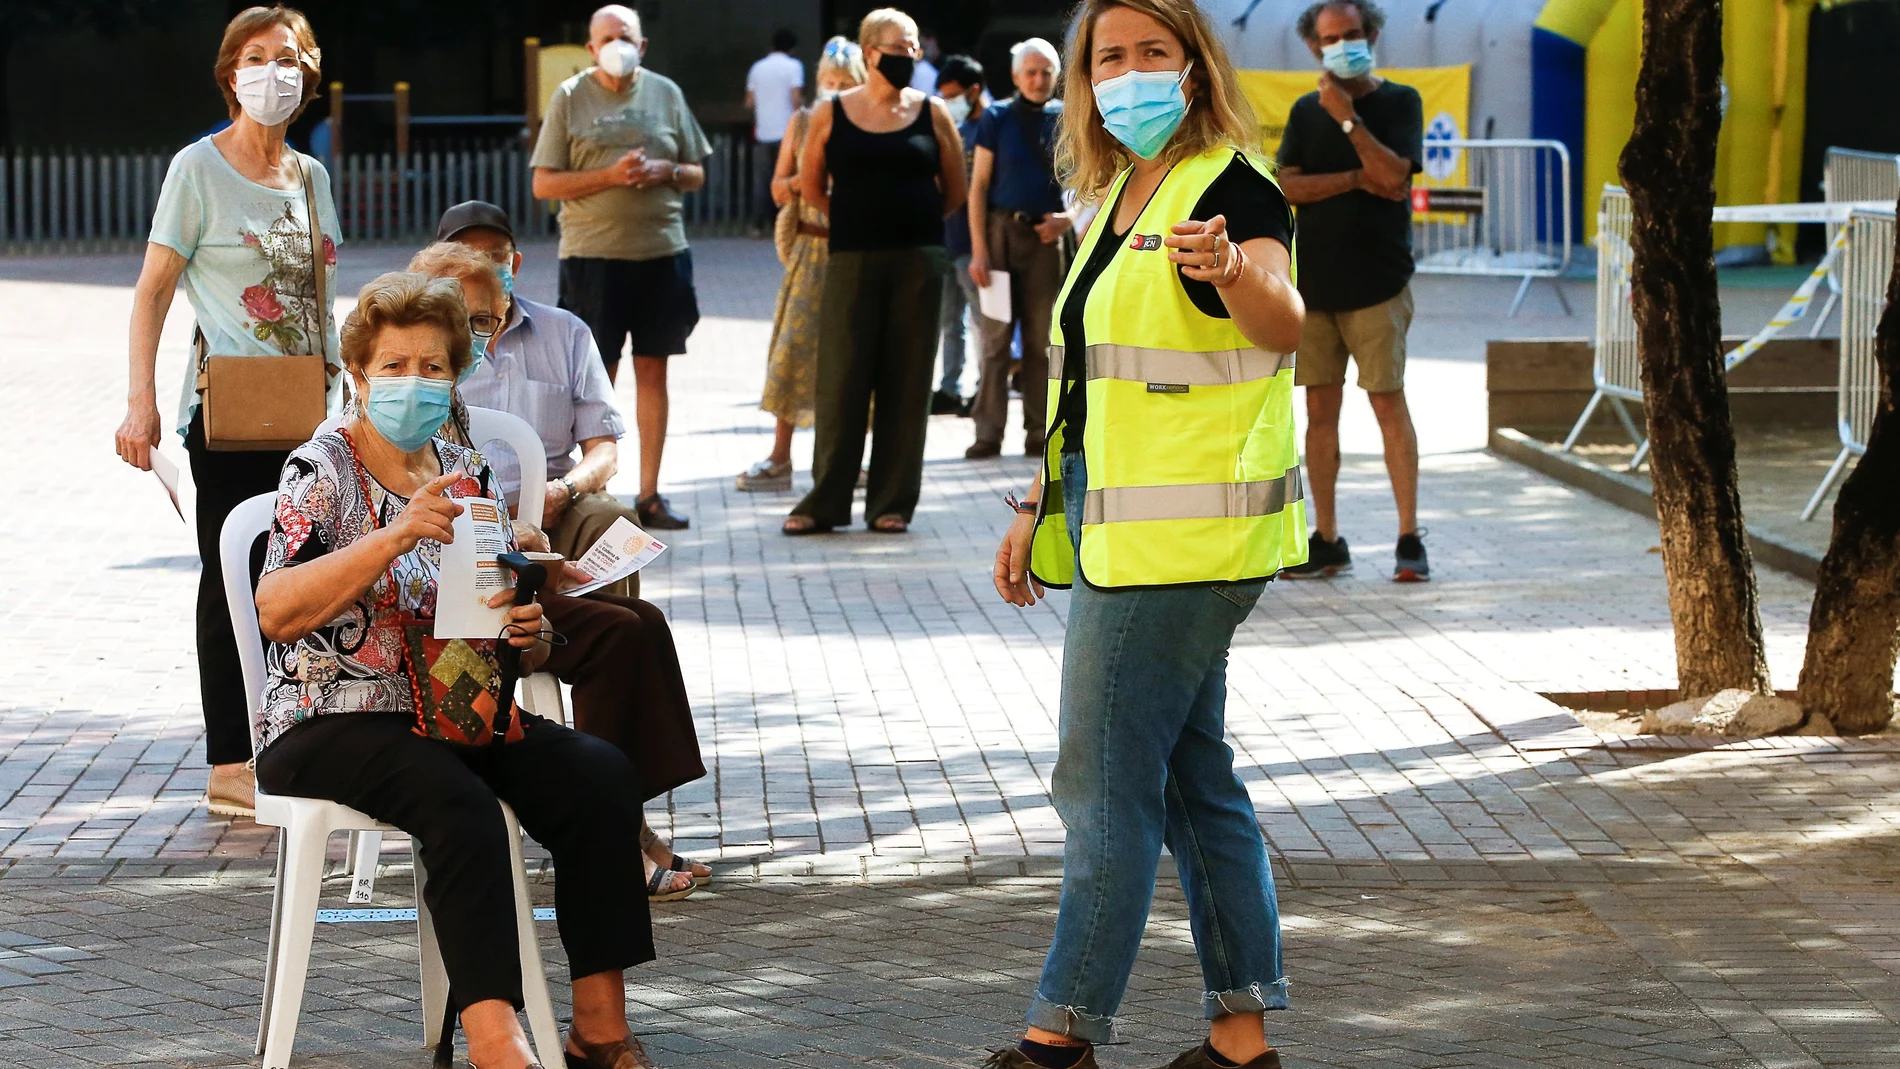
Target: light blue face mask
<point x="505" y="270"/>
<point x="1142" y="109"/>
<point x="478" y="352"/>
<point x="1347" y="59"/>
<point x="407" y="410"/>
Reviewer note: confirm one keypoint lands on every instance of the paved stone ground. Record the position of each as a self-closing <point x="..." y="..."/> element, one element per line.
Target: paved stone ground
<point x="881" y="730"/>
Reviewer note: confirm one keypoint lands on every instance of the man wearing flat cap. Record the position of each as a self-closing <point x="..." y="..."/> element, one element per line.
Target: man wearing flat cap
<point x="543" y="366"/>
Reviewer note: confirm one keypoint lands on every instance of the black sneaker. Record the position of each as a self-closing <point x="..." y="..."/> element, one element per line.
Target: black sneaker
<point x="1412" y="567"/>
<point x="1323" y="559"/>
<point x="945" y="403"/>
<point x="1014" y="1058"/>
<point x="1198" y="1059"/>
<point x="656" y="515"/>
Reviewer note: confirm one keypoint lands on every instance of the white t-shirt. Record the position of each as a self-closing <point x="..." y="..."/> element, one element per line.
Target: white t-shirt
<point x="771" y="81"/>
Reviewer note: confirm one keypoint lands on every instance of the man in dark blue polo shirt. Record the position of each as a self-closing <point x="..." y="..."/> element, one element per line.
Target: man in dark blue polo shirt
<point x="1016" y="223"/>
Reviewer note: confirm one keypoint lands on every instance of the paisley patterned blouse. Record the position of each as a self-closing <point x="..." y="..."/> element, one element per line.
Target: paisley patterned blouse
<point x="326" y="501"/>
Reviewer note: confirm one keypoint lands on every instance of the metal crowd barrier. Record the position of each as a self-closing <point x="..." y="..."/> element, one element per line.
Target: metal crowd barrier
<point x="1614" y="369"/>
<point x="1865" y="265"/>
<point x="1851" y="175"/>
<point x="1497" y="208"/>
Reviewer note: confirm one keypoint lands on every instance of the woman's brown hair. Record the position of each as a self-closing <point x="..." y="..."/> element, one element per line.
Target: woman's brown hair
<point x="255" y="20"/>
<point x="1088" y="157"/>
<point x="406" y="299"/>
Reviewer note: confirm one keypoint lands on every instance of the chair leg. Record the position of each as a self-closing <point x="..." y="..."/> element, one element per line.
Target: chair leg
<point x="543" y="1030"/>
<point x="270" y="946"/>
<point x="297" y="912"/>
<point x="435" y="975"/>
<point x="366" y="849"/>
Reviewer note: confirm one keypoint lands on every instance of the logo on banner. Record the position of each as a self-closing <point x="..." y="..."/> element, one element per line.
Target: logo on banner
<point x="1441" y="160"/>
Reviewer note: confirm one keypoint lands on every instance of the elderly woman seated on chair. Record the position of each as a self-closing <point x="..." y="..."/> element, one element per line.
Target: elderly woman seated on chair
<point x="365" y="708"/>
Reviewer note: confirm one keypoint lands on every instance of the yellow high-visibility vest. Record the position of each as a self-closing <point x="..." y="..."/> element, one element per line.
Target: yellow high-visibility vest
<point x="1194" y="476"/>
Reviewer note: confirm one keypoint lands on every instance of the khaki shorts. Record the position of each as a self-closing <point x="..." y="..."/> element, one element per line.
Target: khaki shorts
<point x="1374" y="337"/>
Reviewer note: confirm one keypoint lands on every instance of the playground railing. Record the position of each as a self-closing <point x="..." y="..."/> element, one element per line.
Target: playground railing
<point x="76" y="201"/>
<point x="1865" y="265"/>
<point x="1497" y="208"/>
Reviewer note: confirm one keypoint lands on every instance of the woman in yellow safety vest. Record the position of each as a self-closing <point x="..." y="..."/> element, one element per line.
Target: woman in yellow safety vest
<point x="1171" y="488"/>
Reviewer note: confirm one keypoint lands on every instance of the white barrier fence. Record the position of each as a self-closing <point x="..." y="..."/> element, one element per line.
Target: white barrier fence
<point x="1853" y="175"/>
<point x="1865" y="265"/>
<point x="77" y="201"/>
<point x="1614" y="369"/>
<point x="1497" y="208"/>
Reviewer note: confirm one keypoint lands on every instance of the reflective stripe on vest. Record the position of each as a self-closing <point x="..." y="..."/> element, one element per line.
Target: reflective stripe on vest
<point x="1135" y="363"/>
<point x="1203" y="501"/>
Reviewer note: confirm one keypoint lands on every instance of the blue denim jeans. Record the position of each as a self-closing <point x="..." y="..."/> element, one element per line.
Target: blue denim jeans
<point x="1141" y="764"/>
<point x="959" y="297"/>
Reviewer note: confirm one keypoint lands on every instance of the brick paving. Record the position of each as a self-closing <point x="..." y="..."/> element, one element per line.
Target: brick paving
<point x="1468" y="882"/>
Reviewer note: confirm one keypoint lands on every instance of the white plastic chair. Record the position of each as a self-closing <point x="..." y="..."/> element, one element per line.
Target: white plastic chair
<point x="307" y="825"/>
<point x="540" y="693"/>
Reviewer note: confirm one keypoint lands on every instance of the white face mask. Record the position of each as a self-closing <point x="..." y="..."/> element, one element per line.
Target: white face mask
<point x="619" y="58"/>
<point x="959" y="108"/>
<point x="271" y="93"/>
<point x="827" y="95"/>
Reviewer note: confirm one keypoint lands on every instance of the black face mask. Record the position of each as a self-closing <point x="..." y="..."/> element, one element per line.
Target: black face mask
<point x="896" y="69"/>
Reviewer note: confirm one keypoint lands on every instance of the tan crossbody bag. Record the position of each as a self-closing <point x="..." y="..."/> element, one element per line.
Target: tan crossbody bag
<point x="268" y="402"/>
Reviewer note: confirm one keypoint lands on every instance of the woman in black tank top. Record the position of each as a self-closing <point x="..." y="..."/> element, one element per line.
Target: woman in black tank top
<point x="887" y="193"/>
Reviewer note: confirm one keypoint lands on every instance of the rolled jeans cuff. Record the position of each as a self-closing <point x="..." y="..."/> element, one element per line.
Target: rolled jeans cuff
<point x="1072" y="1021"/>
<point x="1254" y="998"/>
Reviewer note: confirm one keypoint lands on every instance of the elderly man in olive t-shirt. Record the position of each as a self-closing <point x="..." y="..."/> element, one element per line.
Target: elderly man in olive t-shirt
<point x="1347" y="161"/>
<point x="619" y="149"/>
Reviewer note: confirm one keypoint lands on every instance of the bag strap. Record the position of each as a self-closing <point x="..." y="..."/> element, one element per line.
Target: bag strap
<point x="317" y="265"/>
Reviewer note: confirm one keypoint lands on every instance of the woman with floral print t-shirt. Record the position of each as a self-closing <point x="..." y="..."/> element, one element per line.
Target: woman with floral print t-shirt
<point x="232" y="221"/>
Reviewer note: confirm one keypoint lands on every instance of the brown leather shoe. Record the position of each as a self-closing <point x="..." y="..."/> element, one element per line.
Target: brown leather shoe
<point x="621" y="1054"/>
<point x="983" y="450"/>
<point x="1014" y="1058"/>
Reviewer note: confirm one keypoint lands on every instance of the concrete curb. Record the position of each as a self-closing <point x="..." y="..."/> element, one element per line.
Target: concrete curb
<point x="1628" y="492"/>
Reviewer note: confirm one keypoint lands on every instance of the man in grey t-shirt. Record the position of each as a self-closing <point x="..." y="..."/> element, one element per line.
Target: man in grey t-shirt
<point x="619" y="149"/>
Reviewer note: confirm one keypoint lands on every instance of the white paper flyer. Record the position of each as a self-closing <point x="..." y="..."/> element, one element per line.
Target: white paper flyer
<point x="993" y="300"/>
<point x="471" y="574"/>
<point x="622" y="551"/>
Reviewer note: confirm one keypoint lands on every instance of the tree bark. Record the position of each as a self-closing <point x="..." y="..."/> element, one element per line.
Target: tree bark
<point x="1854" y="628"/>
<point x="1669" y="168"/>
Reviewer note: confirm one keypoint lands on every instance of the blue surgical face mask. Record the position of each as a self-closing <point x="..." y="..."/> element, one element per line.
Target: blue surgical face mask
<point x="1142" y="109"/>
<point x="407" y="410"/>
<point x="1347" y="59"/>
<point x="477" y="352"/>
<point x="505" y="270"/>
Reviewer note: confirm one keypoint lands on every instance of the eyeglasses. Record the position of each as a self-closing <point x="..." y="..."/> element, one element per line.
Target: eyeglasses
<point x="484" y="326"/>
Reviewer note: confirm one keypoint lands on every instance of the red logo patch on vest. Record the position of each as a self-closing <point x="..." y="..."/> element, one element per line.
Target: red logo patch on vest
<point x="1145" y="242"/>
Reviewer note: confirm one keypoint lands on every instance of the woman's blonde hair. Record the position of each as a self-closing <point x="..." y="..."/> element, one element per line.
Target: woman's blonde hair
<point x="843" y="58"/>
<point x="255" y="20"/>
<point x="880" y="20"/>
<point x="1088" y="157"/>
<point x="407" y="299"/>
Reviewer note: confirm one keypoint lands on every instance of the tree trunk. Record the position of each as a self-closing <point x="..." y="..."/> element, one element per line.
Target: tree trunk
<point x="1854" y="628"/>
<point x="1669" y="169"/>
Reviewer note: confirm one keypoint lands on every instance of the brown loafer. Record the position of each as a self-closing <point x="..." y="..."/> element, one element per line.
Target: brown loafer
<point x="621" y="1054"/>
<point x="1198" y="1059"/>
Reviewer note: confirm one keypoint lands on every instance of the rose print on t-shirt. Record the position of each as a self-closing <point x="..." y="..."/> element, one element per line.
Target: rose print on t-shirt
<point x="283" y="306"/>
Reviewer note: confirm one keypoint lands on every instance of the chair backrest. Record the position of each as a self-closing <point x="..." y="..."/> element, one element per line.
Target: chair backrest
<point x="241" y="528"/>
<point x="490" y="425"/>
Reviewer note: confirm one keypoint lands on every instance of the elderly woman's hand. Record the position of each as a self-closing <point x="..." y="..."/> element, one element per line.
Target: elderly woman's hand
<point x="523" y="621"/>
<point x="428" y="514"/>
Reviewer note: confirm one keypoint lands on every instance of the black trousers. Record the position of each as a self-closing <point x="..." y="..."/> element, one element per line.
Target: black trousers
<point x="576" y="794"/>
<point x="877" y="337"/>
<point x="224" y="481"/>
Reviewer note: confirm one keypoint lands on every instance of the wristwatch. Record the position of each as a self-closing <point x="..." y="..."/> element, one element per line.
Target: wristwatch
<point x="1347" y="126"/>
<point x="573" y="492"/>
